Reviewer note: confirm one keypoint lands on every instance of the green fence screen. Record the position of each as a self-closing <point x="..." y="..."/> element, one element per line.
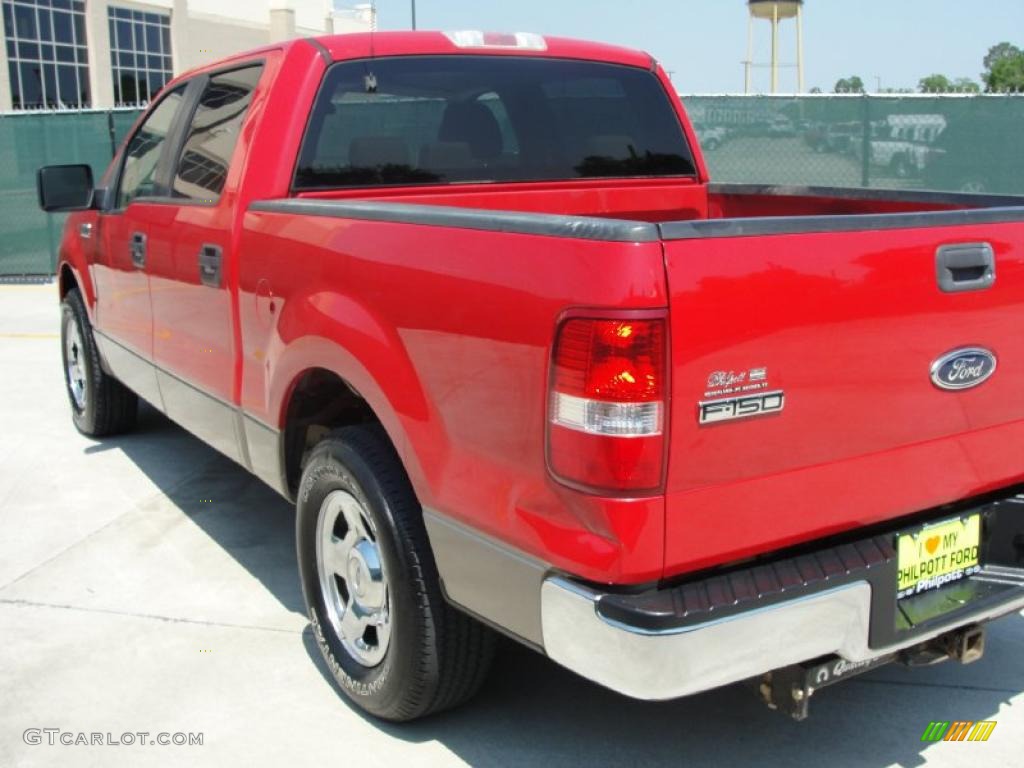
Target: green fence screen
<point x="29" y="237"/>
<point x="954" y="143"/>
<point x="950" y="143"/>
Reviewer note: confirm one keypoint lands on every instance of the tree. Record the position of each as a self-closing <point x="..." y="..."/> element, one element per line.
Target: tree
<point x="998" y="52"/>
<point x="850" y="85"/>
<point x="1006" y="75"/>
<point x="935" y="84"/>
<point x="942" y="84"/>
<point x="1004" y="68"/>
<point x="966" y="85"/>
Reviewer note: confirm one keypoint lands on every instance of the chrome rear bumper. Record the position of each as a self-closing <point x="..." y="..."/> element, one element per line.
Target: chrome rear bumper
<point x="835" y="602"/>
<point x="667" y="663"/>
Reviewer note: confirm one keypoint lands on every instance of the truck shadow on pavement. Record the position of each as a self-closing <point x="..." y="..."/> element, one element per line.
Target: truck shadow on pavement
<point x="240" y="513"/>
<point x="533" y="712"/>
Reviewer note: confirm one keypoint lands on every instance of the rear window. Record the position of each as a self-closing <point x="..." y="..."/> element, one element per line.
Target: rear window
<point x="442" y="119"/>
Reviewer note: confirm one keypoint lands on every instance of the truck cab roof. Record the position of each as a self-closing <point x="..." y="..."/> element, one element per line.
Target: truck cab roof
<point x="368" y="44"/>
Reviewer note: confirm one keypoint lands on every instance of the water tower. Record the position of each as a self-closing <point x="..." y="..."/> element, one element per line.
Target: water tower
<point x="775" y="12"/>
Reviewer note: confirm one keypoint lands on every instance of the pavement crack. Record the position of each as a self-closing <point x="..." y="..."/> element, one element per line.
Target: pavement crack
<point x="150" y="616"/>
<point x="162" y="494"/>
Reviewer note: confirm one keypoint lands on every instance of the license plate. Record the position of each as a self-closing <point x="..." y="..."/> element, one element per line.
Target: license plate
<point x="937" y="554"/>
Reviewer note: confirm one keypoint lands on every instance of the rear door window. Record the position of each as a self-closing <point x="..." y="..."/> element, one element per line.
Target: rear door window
<point x="213" y="133"/>
<point x="442" y="119"/>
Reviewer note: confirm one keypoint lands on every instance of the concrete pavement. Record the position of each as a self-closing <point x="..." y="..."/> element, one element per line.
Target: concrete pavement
<point x="148" y="584"/>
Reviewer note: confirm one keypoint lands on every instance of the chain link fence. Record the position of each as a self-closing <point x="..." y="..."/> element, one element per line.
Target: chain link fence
<point x="950" y="143"/>
<point x="969" y="143"/>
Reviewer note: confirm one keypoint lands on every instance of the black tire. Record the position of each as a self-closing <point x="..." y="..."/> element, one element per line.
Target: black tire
<point x="436" y="657"/>
<point x="104" y="406"/>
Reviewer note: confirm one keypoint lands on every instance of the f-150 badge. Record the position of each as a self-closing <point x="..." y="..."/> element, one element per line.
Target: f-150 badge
<point x="745" y="406"/>
<point x="739" y="395"/>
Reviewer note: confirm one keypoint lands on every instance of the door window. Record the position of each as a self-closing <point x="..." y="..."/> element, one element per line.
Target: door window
<point x="138" y="177"/>
<point x="213" y="134"/>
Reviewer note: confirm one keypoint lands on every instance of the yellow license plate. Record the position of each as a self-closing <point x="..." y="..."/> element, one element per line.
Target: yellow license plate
<point x="938" y="554"/>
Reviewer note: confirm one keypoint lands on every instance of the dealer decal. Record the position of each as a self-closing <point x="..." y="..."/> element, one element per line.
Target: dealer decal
<point x="938" y="554"/>
<point x="734" y="395"/>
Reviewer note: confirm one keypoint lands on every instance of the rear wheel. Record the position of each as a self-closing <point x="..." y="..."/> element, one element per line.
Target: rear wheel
<point x="372" y="592"/>
<point x="100" y="404"/>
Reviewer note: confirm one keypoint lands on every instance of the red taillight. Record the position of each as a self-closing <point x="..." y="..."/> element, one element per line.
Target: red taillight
<point x="607" y="406"/>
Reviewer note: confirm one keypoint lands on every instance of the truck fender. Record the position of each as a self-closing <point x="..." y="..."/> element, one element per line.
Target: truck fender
<point x="73" y="266"/>
<point x="347" y="339"/>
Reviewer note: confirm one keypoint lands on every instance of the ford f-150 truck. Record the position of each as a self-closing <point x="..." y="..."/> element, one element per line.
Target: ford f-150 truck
<point x="472" y="303"/>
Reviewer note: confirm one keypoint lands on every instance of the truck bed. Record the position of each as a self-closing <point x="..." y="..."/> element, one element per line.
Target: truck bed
<point x="659" y="201"/>
<point x="835" y="300"/>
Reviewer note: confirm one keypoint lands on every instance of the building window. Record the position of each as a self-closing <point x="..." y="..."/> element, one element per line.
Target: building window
<point x="46" y="53"/>
<point x="140" y="54"/>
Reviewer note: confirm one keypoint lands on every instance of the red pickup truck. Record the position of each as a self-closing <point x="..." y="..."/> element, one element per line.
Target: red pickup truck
<point x="471" y="301"/>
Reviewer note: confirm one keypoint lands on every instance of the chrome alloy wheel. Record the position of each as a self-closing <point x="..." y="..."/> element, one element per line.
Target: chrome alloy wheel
<point x="352" y="579"/>
<point x="74" y="352"/>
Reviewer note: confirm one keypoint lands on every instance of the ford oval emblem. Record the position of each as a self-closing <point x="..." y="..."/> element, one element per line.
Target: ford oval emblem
<point x="963" y="368"/>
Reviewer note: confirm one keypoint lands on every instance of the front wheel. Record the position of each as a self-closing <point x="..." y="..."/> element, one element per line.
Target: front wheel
<point x="371" y="587"/>
<point x="100" y="404"/>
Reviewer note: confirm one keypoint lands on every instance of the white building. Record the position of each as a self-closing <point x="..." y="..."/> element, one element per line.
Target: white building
<point x="104" y="53"/>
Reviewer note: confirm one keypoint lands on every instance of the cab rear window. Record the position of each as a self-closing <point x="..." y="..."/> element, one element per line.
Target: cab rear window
<point x="446" y="119"/>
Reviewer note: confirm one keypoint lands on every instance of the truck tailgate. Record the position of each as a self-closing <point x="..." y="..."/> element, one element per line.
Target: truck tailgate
<point x="846" y="326"/>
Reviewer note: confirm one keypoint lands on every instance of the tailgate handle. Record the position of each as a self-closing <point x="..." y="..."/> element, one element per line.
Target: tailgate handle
<point x="965" y="267"/>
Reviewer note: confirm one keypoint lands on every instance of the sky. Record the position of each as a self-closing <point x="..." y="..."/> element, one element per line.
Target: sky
<point x="703" y="42"/>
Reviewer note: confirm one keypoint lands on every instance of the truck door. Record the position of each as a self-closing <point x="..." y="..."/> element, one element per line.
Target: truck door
<point x="124" y="312"/>
<point x="190" y="269"/>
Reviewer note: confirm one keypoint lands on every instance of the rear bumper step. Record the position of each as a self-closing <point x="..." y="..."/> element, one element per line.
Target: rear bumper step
<point x="838" y="601"/>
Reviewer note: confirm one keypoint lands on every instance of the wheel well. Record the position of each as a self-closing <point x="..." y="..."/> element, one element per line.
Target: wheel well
<point x="66" y="280"/>
<point x="321" y="401"/>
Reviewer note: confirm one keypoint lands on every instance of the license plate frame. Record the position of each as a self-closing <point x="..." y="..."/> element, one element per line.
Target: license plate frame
<point x="938" y="553"/>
